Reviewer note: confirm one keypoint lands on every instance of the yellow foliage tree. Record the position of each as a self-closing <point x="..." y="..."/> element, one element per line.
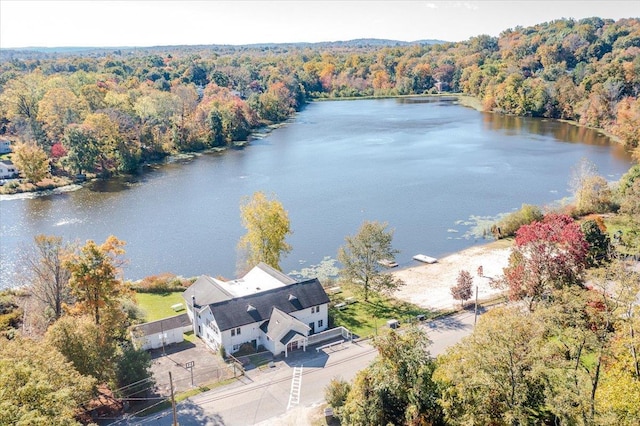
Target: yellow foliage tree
<point x="31" y="160"/>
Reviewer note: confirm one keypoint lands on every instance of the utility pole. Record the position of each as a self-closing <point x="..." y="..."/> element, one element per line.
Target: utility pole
<point x="475" y="318"/>
<point x="173" y="402"/>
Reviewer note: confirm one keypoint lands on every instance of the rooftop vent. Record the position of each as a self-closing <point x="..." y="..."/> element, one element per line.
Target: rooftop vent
<point x="251" y="308"/>
<point x="292" y="297"/>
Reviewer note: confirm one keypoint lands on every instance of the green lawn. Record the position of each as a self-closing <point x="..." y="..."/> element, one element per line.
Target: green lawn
<point x="158" y="306"/>
<point x="362" y="318"/>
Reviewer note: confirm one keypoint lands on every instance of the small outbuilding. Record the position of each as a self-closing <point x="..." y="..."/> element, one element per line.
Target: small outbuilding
<point x="160" y="333"/>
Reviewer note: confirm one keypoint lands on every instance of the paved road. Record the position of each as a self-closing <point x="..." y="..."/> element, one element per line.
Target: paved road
<point x="263" y="395"/>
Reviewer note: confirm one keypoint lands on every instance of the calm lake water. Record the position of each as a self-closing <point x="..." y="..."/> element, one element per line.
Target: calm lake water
<point x="430" y="168"/>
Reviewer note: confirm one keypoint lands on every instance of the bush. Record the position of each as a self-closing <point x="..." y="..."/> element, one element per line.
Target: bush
<point x="508" y="225"/>
<point x="336" y="392"/>
<point x="162" y="283"/>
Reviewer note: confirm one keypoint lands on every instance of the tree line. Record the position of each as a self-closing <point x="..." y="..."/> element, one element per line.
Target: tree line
<point x="107" y="112"/>
<point x="565" y="350"/>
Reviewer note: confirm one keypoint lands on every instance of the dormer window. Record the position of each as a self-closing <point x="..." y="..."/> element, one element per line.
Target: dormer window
<point x="292" y="298"/>
<point x="251" y="308"/>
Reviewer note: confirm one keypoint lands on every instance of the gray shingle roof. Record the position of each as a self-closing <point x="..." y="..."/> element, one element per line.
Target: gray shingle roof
<point x="163" y="325"/>
<point x="206" y="292"/>
<point x="281" y="325"/>
<point x="233" y="313"/>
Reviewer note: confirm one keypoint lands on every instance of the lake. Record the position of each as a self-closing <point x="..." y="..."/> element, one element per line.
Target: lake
<point x="434" y="170"/>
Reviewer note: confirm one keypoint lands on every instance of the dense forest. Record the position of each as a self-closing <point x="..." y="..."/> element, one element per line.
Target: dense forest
<point x="566" y="351"/>
<point x="108" y="111"/>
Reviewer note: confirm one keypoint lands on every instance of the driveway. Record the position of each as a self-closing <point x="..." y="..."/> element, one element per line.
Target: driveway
<point x="208" y="367"/>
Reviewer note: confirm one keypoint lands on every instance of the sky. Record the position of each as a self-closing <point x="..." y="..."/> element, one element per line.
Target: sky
<point x="52" y="23"/>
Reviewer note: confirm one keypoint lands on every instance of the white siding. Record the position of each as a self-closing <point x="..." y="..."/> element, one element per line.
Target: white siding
<point x="321" y="313"/>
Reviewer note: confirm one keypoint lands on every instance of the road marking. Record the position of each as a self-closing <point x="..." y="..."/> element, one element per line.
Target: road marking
<point x="296" y="387"/>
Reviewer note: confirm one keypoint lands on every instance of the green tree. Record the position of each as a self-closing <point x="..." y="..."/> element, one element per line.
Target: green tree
<point x="490" y="377"/>
<point x="267" y="225"/>
<point x="94" y="278"/>
<point x="360" y="256"/>
<point x="133" y="370"/>
<point x="38" y="386"/>
<point x="508" y="225"/>
<point x="31" y="160"/>
<point x="598" y="240"/>
<point x="85" y="344"/>
<point x="397" y="388"/>
<point x="336" y="394"/>
<point x="629" y="192"/>
<point x="82" y="147"/>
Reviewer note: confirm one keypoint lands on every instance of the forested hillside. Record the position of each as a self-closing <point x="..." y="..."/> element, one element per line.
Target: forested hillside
<point x="106" y="111"/>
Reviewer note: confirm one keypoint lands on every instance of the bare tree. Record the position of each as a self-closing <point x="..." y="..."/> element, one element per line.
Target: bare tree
<point x="45" y="273"/>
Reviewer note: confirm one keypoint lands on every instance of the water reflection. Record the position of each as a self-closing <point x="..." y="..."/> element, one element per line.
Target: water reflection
<point x="422" y="168"/>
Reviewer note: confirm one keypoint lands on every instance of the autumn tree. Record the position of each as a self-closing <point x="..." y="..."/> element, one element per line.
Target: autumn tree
<point x="488" y="378"/>
<point x="591" y="191"/>
<point x="463" y="289"/>
<point x="94" y="278"/>
<point x="360" y="256"/>
<point x="267" y="225"/>
<point x="39" y="386"/>
<point x="46" y="275"/>
<point x="58" y="108"/>
<point x="579" y="326"/>
<point x="31" y="160"/>
<point x="397" y="388"/>
<point x="547" y="255"/>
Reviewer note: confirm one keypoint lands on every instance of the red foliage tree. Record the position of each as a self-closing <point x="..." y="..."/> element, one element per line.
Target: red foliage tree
<point x="463" y="289"/>
<point x="547" y="255"/>
<point x="58" y="151"/>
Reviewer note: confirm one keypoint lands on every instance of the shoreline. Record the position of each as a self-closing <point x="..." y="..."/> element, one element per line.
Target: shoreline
<point x="263" y="131"/>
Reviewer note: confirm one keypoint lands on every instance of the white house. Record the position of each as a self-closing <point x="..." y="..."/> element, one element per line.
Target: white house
<point x="264" y="308"/>
<point x="160" y="333"/>
<point x="5" y="146"/>
<point x="8" y="170"/>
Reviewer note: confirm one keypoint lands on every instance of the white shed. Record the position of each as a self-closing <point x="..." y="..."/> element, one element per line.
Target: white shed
<point x="160" y="333"/>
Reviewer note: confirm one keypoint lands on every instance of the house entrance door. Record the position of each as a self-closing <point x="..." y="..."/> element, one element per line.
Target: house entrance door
<point x="292" y="346"/>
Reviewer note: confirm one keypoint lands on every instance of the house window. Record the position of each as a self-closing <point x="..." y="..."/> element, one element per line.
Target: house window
<point x="238" y="331"/>
<point x="235" y="331"/>
<point x="236" y="348"/>
<point x="315" y="309"/>
<point x="320" y="322"/>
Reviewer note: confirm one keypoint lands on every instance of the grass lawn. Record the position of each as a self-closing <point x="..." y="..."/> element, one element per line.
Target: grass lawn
<point x="158" y="305"/>
<point x="629" y="229"/>
<point x="362" y="318"/>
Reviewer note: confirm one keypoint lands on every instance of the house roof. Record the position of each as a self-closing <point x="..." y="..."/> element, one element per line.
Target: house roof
<point x="258" y="307"/>
<point x="206" y="291"/>
<point x="282" y="326"/>
<point x="163" y="325"/>
<point x="260" y="278"/>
